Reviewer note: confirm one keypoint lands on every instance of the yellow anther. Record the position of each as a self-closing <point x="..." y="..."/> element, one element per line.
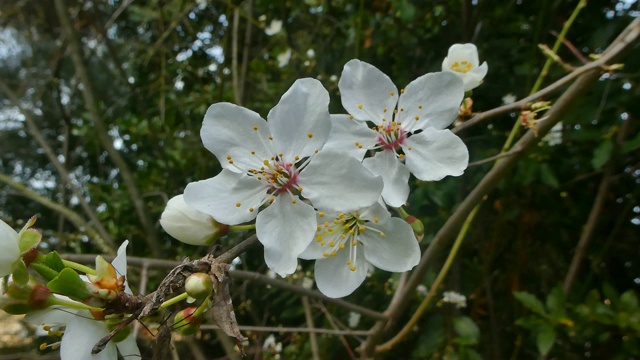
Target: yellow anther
<point x="352" y="268"/>
<point x="46" y="328"/>
<point x="343" y="236"/>
<point x="359" y="106"/>
<point x="401" y="91"/>
<point x="266" y="162"/>
<point x="401" y="156"/>
<point x="253" y="152"/>
<point x="325" y="254"/>
<point x="395" y="111"/>
<point x="55" y="346"/>
<point x="255" y="127"/>
<point x="326" y="224"/>
<point x="316" y="151"/>
<point x="293" y="201"/>
<point x="270" y="137"/>
<point x="281" y="155"/>
<point x="336" y="222"/>
<point x="228" y="157"/>
<point x="341" y="215"/>
<point x="361" y="228"/>
<point x="309" y="135"/>
<point x="321" y="214"/>
<point x="43" y="346"/>
<point x="230" y="161"/>
<point x="349" y="262"/>
<point x="319" y="228"/>
<point x="350" y="117"/>
<point x="401" y="109"/>
<point x="419" y="106"/>
<point x="297" y="158"/>
<point x="323" y="243"/>
<point x="341" y="246"/>
<point x="392" y="93"/>
<point x="382" y="234"/>
<point x="354" y="243"/>
<point x="409" y="148"/>
<point x="333" y="253"/>
<point x="385" y="109"/>
<point x="319" y="238"/>
<point x="251" y="209"/>
<point x="237" y="204"/>
<point x="417" y="118"/>
<point x="359" y="146"/>
<point x="351" y="232"/>
<point x="332" y="244"/>
<point x="375" y="220"/>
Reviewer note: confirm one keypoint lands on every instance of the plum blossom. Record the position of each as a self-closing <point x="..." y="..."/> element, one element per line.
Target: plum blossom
<point x="9" y="248"/>
<point x="346" y="243"/>
<point x="276" y="164"/>
<point x="274" y="27"/>
<point x="80" y="331"/>
<point x="462" y="60"/>
<point x="409" y="127"/>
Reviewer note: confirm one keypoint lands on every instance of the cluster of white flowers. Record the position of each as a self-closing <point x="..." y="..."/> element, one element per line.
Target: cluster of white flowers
<point x="318" y="185"/>
<point x="457" y="299"/>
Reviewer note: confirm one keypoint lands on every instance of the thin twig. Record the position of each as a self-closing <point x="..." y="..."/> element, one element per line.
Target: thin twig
<point x="312" y="335"/>
<point x="281" y="329"/>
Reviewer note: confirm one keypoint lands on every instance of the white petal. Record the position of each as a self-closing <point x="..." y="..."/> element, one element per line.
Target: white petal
<point x="315" y="249"/>
<point x="434" y="99"/>
<point x="128" y="347"/>
<point x="285" y="229"/>
<point x="300" y="122"/>
<point x="435" y="154"/>
<point x="394" y="174"/>
<point x="120" y="264"/>
<point x="230" y="130"/>
<point x="81" y="334"/>
<point x="463" y="52"/>
<point x="333" y="276"/>
<point x="9" y="249"/>
<point x="397" y="251"/>
<point x="367" y="91"/>
<point x="220" y="195"/>
<point x="335" y="182"/>
<point x="375" y="211"/>
<point x="350" y="137"/>
<point x="50" y="316"/>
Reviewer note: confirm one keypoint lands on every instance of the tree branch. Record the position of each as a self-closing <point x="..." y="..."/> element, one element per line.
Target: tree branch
<point x="101" y="130"/>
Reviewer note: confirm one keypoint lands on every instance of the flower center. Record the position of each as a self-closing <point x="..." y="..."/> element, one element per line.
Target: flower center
<point x="344" y="231"/>
<point x="461" y="67"/>
<point x="391" y="135"/>
<point x="279" y="175"/>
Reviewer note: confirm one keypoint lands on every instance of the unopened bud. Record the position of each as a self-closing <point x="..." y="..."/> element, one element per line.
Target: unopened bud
<point x="417" y="226"/>
<point x="186" y="322"/>
<point x="198" y="285"/>
<point x="189" y="225"/>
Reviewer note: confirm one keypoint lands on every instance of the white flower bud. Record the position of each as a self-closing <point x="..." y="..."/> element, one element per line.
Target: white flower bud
<point x="190" y="225"/>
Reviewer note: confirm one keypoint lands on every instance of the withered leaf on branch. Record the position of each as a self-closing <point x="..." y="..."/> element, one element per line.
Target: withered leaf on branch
<point x="222" y="310"/>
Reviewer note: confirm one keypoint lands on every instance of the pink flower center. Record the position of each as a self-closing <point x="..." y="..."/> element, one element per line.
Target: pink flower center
<point x="280" y="176"/>
<point x="391" y="135"/>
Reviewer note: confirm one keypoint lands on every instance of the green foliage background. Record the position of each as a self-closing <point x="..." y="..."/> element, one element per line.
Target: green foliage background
<point x="157" y="65"/>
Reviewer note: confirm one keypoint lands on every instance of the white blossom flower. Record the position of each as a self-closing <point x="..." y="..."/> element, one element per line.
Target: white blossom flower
<point x="462" y="60"/>
<point x="283" y="58"/>
<point x="452" y="297"/>
<point x="189" y="225"/>
<point x="347" y="242"/>
<point x="410" y="127"/>
<point x="274" y="163"/>
<point x="311" y="53"/>
<point x="9" y="248"/>
<point x="509" y="99"/>
<point x="82" y="331"/>
<point x="554" y="136"/>
<point x="354" y="319"/>
<point x="274" y="27"/>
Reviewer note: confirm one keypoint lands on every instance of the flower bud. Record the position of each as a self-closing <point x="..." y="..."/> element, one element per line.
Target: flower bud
<point x="198" y="285"/>
<point x="417" y="226"/>
<point x="186" y="322"/>
<point x="190" y="225"/>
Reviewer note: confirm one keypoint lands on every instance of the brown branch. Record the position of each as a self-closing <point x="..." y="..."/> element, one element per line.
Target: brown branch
<point x="104" y="241"/>
<point x="101" y="131"/>
<point x="282" y="329"/>
<point x="621" y="44"/>
<point x="596" y="210"/>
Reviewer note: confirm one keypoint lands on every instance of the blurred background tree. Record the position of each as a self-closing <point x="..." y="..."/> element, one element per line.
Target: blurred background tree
<point x="99" y="127"/>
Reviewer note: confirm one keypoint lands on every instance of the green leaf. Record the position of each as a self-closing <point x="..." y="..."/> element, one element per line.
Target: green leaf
<point x="555" y="302"/>
<point x="631" y="145"/>
<point x="44" y="271"/>
<point x="69" y="283"/>
<point x="19" y="272"/>
<point x="29" y="239"/>
<point x="545" y="339"/>
<point x="467" y="329"/>
<point x="530" y="302"/>
<point x="602" y="154"/>
<point x="547" y="176"/>
<point x="629" y="301"/>
<point x="54" y="261"/>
